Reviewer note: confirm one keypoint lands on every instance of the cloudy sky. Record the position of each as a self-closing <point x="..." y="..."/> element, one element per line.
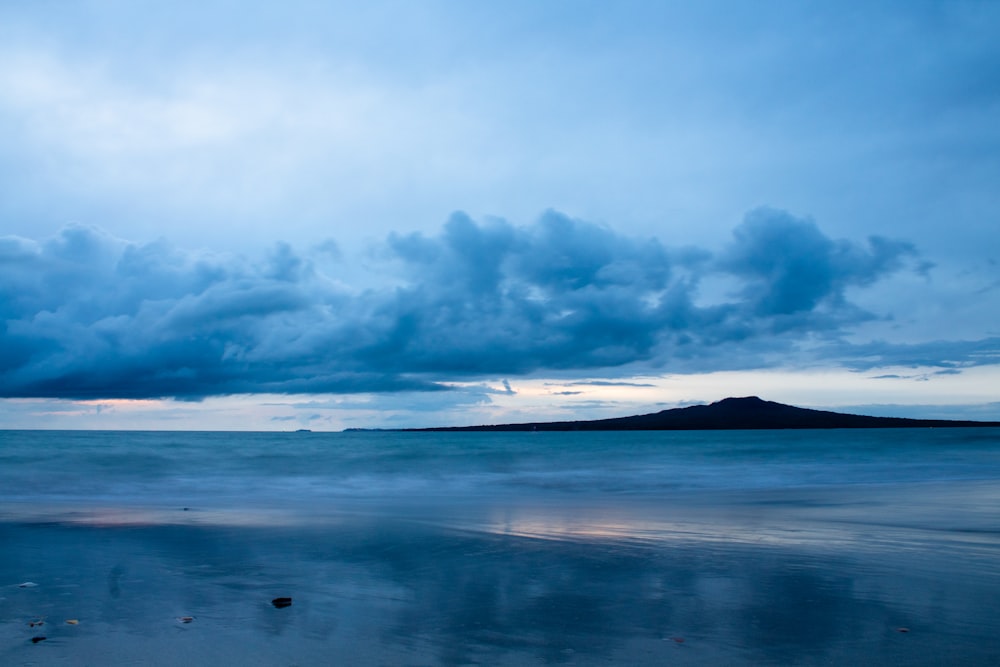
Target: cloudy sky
<point x="313" y="214"/>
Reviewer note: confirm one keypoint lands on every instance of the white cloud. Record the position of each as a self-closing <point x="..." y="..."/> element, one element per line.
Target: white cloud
<point x="235" y="139"/>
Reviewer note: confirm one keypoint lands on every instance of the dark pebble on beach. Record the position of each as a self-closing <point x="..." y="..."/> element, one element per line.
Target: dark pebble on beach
<point x="281" y="603"/>
<point x="35" y="640"/>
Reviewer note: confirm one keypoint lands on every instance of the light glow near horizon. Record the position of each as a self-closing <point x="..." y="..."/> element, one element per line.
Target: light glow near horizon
<point x="966" y="396"/>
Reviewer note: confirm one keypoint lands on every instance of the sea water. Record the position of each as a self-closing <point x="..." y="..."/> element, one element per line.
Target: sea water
<point x="709" y="547"/>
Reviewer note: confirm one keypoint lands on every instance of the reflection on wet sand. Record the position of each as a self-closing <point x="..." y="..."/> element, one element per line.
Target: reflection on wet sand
<point x="543" y="586"/>
<point x="138" y="517"/>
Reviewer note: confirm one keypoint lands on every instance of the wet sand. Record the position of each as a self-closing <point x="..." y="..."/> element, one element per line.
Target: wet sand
<point x="760" y="582"/>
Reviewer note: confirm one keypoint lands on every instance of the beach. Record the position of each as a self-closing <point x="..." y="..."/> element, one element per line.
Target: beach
<point x="812" y="548"/>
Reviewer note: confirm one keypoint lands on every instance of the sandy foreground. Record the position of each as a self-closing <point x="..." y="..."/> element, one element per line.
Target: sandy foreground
<point x="512" y="586"/>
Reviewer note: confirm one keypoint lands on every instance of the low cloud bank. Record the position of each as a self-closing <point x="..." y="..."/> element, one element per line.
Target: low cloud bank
<point x="88" y="315"/>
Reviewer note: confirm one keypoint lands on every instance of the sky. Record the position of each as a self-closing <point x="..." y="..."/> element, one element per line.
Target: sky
<point x="231" y="215"/>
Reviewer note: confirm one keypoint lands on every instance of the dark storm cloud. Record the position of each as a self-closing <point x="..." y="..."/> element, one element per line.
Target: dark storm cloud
<point x="790" y="266"/>
<point x="87" y="315"/>
<point x="499" y="299"/>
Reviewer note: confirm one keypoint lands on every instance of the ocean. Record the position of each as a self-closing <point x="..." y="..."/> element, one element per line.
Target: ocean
<point x="598" y="548"/>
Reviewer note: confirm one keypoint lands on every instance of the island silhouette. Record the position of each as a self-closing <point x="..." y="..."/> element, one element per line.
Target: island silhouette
<point x="749" y="412"/>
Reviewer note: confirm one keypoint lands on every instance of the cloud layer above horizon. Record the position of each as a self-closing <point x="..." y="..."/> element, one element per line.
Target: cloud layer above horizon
<point x="299" y="163"/>
<point x="89" y="315"/>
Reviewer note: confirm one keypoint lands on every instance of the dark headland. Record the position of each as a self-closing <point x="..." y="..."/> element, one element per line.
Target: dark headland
<point x="728" y="414"/>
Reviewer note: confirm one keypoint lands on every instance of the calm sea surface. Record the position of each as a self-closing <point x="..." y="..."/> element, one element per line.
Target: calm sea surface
<point x="712" y="547"/>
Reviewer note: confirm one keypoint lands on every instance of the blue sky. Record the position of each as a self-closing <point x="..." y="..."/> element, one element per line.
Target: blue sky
<point x="215" y="215"/>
